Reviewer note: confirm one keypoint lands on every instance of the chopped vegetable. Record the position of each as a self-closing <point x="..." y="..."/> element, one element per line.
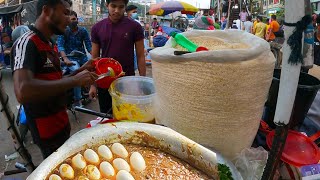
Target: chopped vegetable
<point x="224" y="172"/>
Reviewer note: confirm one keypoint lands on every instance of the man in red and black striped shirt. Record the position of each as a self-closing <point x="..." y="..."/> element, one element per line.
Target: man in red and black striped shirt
<point x="38" y="81"/>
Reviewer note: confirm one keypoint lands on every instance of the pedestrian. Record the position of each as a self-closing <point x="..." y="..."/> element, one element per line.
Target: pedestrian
<point x="154" y="25"/>
<point x="243" y="17"/>
<point x="115" y="37"/>
<point x="247" y="26"/>
<point x="74" y="38"/>
<point x="260" y="29"/>
<point x="216" y="24"/>
<point x="274" y="28"/>
<point x="37" y="76"/>
<point x="267" y="26"/>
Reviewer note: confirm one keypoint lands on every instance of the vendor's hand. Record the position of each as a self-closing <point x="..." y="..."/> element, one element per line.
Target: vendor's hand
<point x="85" y="78"/>
<point x="93" y="92"/>
<point x="68" y="62"/>
<point x="89" y="65"/>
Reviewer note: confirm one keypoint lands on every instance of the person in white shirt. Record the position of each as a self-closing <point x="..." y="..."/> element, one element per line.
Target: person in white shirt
<point x="247" y="26"/>
<point x="243" y="16"/>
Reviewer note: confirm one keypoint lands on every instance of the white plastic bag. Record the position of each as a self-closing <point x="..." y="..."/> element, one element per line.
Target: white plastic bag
<point x="251" y="162"/>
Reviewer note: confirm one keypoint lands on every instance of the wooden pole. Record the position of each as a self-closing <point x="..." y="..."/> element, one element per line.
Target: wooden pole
<point x="294" y="11"/>
<point x="8" y="114"/>
<point x="229" y="10"/>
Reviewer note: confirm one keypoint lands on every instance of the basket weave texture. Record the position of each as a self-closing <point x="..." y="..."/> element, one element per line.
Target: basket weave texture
<point x="216" y="101"/>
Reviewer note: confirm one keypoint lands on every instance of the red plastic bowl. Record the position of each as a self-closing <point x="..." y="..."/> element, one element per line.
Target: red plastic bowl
<point x="299" y="149"/>
<point x="102" y="67"/>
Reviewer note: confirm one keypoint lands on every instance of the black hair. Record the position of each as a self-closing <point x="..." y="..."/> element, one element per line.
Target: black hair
<point x="154" y="18"/>
<point x="318" y="19"/>
<point x="249" y="18"/>
<point x="73" y="13"/>
<point x="273" y="16"/>
<point x="131" y="7"/>
<point x="260" y="18"/>
<point x="216" y="19"/>
<point x="125" y="1"/>
<point x="50" y="3"/>
<point x="206" y="11"/>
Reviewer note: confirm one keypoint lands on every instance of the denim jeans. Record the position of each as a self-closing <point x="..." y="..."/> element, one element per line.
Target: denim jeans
<point x="76" y="90"/>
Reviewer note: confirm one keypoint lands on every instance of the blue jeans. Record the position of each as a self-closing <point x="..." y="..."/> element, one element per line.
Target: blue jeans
<point x="76" y="90"/>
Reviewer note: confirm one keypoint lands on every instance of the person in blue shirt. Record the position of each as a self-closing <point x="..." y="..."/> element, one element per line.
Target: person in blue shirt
<point x="74" y="38"/>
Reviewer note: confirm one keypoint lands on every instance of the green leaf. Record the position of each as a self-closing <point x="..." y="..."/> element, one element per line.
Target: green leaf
<point x="224" y="172"/>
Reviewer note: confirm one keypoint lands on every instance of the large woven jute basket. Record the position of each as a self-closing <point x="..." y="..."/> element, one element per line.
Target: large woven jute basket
<point x="215" y="98"/>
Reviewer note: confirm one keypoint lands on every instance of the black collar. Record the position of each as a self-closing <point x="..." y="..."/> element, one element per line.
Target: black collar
<point x="41" y="36"/>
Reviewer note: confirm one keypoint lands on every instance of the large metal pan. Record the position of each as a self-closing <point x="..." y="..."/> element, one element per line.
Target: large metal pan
<point x="136" y="133"/>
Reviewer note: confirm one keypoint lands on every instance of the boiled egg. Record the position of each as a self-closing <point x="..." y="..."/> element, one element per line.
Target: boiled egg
<point x="78" y="162"/>
<point x="121" y="164"/>
<point x="105" y="152"/>
<point x="124" y="175"/>
<point x="82" y="178"/>
<point x="91" y="157"/>
<point x="137" y="162"/>
<point x="54" y="177"/>
<point x="92" y="172"/>
<point x="66" y="171"/>
<point x="106" y="169"/>
<point x="119" y="150"/>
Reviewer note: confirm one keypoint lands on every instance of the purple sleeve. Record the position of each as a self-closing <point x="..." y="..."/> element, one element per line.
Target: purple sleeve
<point x="138" y="33"/>
<point x="95" y="34"/>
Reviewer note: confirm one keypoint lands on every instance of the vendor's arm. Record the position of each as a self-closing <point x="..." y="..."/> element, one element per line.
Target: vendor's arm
<point x="28" y="89"/>
<point x="139" y="44"/>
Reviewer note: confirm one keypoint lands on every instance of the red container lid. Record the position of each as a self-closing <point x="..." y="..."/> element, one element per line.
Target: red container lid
<point x="102" y="67"/>
<point x="299" y="149"/>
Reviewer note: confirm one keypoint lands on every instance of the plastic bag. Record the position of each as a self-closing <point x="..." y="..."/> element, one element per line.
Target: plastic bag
<point x="251" y="162"/>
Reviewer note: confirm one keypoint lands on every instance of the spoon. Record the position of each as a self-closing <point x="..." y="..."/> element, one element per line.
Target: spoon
<point x="110" y="73"/>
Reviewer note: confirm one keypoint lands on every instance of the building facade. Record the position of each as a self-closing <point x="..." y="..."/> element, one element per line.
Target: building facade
<point x="316" y="6"/>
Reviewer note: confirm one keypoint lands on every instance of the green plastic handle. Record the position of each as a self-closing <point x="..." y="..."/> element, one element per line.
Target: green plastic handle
<point x="184" y="42"/>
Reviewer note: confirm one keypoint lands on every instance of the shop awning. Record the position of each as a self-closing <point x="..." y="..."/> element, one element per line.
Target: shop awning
<point x="11" y="9"/>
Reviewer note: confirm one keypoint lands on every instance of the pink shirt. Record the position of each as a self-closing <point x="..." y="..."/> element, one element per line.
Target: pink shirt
<point x="243" y="16"/>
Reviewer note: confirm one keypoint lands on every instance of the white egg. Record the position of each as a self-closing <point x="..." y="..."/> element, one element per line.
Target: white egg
<point x="105" y="152"/>
<point x="78" y="162"/>
<point x="92" y="172"/>
<point x="54" y="177"/>
<point x="137" y="162"/>
<point x="119" y="150"/>
<point x="106" y="169"/>
<point x="124" y="175"/>
<point x="121" y="164"/>
<point x="66" y="171"/>
<point x="91" y="157"/>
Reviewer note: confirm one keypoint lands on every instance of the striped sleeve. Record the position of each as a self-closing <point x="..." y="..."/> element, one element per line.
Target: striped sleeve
<point x="24" y="53"/>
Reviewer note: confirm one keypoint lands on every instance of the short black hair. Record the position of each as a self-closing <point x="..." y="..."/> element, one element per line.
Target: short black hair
<point x="206" y="11"/>
<point x="216" y="19"/>
<point x="154" y="18"/>
<point x="50" y="3"/>
<point x="260" y="18"/>
<point x="131" y="7"/>
<point x="125" y="1"/>
<point x="249" y="18"/>
<point x="73" y="13"/>
<point x="273" y="16"/>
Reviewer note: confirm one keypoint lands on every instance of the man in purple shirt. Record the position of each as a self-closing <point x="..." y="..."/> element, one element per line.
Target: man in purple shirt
<point x="116" y="37"/>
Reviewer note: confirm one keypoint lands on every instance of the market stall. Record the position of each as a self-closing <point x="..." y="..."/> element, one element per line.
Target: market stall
<point x="209" y="89"/>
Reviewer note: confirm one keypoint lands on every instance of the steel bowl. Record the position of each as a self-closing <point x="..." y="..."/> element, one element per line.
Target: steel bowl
<point x="149" y="135"/>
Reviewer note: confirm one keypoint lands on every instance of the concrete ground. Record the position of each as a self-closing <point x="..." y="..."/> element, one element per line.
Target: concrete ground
<point x="6" y="145"/>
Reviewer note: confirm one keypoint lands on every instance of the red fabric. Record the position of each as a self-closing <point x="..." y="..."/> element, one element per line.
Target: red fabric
<point x="49" y="76"/>
<point x="42" y="46"/>
<point x="51" y="125"/>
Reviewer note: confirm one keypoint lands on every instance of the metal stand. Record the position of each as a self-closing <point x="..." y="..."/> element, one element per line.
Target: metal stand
<point x="8" y="114"/>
